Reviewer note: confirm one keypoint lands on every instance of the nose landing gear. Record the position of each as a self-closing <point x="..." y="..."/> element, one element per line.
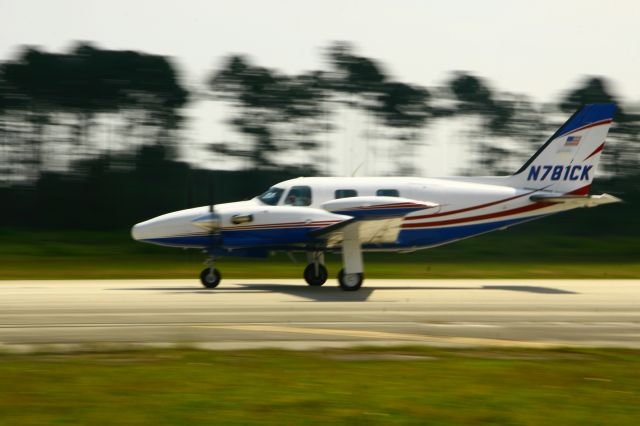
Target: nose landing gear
<point x="210" y="277"/>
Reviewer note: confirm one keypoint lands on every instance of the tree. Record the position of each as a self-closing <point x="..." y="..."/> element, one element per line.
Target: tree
<point x="276" y="112"/>
<point x="400" y="107"/>
<point x="71" y="90"/>
<point x="354" y="74"/>
<point x="11" y="103"/>
<point x="474" y="98"/>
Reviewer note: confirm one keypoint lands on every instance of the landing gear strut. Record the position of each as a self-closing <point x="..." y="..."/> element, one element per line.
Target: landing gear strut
<point x="210" y="277"/>
<point x="351" y="276"/>
<point x="315" y="274"/>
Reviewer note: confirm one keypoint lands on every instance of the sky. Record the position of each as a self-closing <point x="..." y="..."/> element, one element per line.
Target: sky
<point x="539" y="48"/>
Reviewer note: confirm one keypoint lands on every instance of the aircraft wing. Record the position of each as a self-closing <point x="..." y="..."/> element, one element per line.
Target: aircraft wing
<point x="376" y="220"/>
<point x="378" y="231"/>
<point x="576" y="200"/>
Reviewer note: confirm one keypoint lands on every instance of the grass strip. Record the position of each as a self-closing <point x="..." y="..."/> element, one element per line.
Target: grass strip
<point x="360" y="386"/>
<point x="162" y="267"/>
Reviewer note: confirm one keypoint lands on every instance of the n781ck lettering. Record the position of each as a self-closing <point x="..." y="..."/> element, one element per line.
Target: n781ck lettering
<point x="559" y="172"/>
<point x="354" y="215"/>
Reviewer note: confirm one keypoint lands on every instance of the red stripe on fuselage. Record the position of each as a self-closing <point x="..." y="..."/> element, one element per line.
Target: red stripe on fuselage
<point x="467" y="209"/>
<point x="530" y="207"/>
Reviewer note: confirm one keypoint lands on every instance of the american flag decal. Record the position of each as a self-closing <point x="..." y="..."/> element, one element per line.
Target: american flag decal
<point x="573" y="140"/>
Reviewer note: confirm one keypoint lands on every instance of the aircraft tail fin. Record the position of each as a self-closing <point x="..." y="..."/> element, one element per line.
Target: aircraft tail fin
<point x="567" y="162"/>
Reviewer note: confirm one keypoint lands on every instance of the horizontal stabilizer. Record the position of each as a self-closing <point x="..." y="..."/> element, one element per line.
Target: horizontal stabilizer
<point x="577" y="200"/>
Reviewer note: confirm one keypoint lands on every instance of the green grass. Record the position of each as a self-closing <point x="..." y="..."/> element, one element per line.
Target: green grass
<point x="161" y="267"/>
<point x="27" y="254"/>
<point x="437" y="386"/>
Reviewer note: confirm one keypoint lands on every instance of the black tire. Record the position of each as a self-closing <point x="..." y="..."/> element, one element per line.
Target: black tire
<point x="315" y="280"/>
<point x="350" y="282"/>
<point x="210" y="278"/>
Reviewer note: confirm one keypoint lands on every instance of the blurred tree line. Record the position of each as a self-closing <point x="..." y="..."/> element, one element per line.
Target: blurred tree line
<point x="91" y="137"/>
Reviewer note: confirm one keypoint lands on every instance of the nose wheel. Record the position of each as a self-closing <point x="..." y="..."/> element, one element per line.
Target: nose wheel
<point x="210" y="277"/>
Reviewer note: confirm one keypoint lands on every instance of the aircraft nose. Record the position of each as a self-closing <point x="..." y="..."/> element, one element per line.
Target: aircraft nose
<point x="160" y="228"/>
<point x="136" y="231"/>
<point x="148" y="229"/>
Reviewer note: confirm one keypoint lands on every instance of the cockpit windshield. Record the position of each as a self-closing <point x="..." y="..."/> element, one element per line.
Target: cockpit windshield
<point x="271" y="196"/>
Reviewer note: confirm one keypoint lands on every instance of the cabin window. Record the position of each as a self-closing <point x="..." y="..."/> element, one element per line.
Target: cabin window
<point x="387" y="193"/>
<point x="299" y="196"/>
<point x="271" y="196"/>
<point x="346" y="193"/>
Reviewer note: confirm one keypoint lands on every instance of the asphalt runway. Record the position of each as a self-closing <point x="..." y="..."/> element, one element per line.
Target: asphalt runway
<point x="288" y="314"/>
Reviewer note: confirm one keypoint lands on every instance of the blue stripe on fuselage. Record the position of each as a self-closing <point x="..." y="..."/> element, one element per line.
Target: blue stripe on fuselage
<point x="267" y="237"/>
<point x="424" y="237"/>
<point x="407" y="238"/>
<point x="242" y="238"/>
<point x="182" y="241"/>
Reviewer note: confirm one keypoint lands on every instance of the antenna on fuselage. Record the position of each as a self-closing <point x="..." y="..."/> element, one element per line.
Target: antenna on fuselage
<point x="189" y="185"/>
<point x="214" y="221"/>
<point x="211" y="202"/>
<point x="356" y="169"/>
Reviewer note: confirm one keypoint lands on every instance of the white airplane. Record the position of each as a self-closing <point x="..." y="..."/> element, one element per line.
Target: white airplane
<point x="403" y="214"/>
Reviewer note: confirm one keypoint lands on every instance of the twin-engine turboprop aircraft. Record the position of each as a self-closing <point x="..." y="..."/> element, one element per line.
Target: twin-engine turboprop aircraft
<point x="351" y="215"/>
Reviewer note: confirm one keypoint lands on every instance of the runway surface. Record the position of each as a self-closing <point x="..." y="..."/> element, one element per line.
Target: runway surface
<point x="289" y="314"/>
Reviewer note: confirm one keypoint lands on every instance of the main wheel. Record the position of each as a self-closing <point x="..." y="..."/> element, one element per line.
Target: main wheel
<point x="350" y="282"/>
<point x="210" y="277"/>
<point x="310" y="275"/>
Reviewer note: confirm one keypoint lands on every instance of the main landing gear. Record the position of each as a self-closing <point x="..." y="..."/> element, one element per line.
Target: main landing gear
<point x="315" y="274"/>
<point x="350" y="282"/>
<point x="350" y="278"/>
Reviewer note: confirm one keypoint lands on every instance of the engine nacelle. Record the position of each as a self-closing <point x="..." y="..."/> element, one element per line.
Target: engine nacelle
<point x="272" y="225"/>
<point x="376" y="207"/>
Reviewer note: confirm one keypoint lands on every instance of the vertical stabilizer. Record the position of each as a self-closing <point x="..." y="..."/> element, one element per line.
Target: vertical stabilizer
<point x="567" y="162"/>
